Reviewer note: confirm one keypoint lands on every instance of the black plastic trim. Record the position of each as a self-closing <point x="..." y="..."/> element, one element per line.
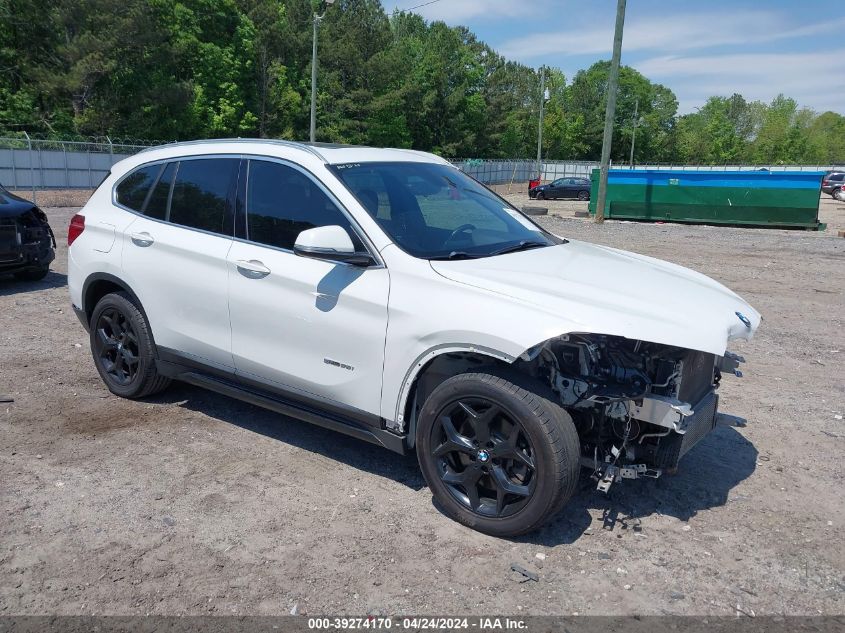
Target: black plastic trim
<point x="94" y="277"/>
<point x="83" y="318"/>
<point x="347" y="420"/>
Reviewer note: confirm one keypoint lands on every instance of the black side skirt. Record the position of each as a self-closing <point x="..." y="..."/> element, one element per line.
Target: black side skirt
<point x="358" y="424"/>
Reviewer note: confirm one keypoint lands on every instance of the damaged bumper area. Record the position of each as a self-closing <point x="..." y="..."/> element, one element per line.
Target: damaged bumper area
<point x="26" y="241"/>
<point x="638" y="407"/>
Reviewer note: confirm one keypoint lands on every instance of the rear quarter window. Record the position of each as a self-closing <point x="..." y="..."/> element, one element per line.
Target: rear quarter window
<point x="157" y="204"/>
<point x="132" y="190"/>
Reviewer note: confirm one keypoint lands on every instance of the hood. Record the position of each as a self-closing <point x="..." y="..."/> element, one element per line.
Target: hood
<point x="12" y="206"/>
<point x="595" y="289"/>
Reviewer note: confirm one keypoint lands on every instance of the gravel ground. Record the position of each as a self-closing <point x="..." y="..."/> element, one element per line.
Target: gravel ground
<point x="191" y="503"/>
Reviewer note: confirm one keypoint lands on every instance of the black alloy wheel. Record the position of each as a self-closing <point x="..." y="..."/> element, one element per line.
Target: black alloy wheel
<point x="583" y="195"/>
<point x="484" y="457"/>
<point x="123" y="348"/>
<point x="116" y="346"/>
<point x="497" y="450"/>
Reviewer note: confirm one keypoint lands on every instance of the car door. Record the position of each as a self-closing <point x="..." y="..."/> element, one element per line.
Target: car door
<point x="311" y="328"/>
<point x="556" y="191"/>
<point x="569" y="188"/>
<point x="174" y="257"/>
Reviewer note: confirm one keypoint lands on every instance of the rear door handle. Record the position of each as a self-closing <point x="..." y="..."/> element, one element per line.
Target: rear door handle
<point x="252" y="269"/>
<point x="142" y="239"/>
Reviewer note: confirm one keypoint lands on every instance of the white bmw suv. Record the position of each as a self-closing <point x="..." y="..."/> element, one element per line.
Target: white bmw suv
<point x="385" y="294"/>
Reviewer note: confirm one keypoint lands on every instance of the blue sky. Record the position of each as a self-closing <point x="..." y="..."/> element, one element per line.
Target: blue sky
<point x="697" y="49"/>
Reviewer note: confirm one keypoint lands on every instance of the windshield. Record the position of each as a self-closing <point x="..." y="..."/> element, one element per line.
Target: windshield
<point x="434" y="211"/>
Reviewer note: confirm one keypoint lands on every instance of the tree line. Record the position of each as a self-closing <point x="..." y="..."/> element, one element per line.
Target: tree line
<point x="180" y="69"/>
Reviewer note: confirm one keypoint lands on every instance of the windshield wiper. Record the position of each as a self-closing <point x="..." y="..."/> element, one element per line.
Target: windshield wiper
<point x="455" y="255"/>
<point x="524" y="245"/>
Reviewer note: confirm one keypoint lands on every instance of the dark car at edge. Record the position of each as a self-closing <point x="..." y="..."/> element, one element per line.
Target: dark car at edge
<point x="577" y="188"/>
<point x="833" y="182"/>
<point x="27" y="244"/>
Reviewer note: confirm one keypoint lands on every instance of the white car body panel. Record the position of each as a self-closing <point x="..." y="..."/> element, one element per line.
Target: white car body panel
<point x="311" y="325"/>
<point x="386" y="322"/>
<point x="98" y="249"/>
<point x="590" y="288"/>
<point x="502" y="306"/>
<point x="181" y="280"/>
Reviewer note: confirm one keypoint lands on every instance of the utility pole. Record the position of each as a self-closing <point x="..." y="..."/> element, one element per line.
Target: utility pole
<point x="540" y="130"/>
<point x="634" y="132"/>
<point x="313" y="132"/>
<point x="317" y="18"/>
<point x="612" y="82"/>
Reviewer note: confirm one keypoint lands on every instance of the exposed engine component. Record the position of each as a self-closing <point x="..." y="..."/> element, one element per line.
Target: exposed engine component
<point x="638" y="406"/>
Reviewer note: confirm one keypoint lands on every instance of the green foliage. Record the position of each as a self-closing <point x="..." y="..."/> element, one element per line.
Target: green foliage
<point x="179" y="69"/>
<point x="656" y="107"/>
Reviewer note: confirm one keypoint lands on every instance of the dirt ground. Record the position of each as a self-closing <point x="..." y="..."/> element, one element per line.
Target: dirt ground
<point x="191" y="503"/>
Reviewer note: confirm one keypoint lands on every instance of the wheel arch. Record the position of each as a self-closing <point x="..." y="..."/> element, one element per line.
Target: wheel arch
<point x="434" y="366"/>
<point x="98" y="285"/>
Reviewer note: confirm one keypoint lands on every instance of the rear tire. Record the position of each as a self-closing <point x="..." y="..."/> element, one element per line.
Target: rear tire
<point x="123" y="348"/>
<point x="34" y="274"/>
<point x="583" y="195"/>
<point x="499" y="455"/>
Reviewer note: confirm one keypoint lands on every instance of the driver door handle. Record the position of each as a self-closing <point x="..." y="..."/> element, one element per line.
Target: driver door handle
<point x="252" y="269"/>
<point x="142" y="239"/>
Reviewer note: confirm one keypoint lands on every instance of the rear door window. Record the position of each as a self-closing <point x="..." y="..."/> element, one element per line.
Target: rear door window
<point x="133" y="189"/>
<point x="200" y="197"/>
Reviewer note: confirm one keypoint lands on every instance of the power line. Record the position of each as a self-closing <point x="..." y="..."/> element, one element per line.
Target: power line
<point x="419" y="6"/>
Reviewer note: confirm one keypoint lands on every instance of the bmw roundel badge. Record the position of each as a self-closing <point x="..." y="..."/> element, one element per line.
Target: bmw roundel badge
<point x="744" y="319"/>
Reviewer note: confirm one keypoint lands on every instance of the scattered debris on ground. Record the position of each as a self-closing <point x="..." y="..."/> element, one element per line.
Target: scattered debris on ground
<point x="192" y="503"/>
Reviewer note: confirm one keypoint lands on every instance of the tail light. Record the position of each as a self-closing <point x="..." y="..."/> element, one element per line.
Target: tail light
<point x="825" y="183"/>
<point x="74" y="230"/>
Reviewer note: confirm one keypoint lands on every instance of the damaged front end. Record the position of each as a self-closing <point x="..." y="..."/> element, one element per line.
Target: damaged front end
<point x="27" y="244"/>
<point x="638" y="407"/>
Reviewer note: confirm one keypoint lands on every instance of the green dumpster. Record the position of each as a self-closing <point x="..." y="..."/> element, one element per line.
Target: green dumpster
<point x="743" y="198"/>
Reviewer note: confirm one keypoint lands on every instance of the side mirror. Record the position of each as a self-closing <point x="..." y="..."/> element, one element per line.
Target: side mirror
<point x="331" y="243"/>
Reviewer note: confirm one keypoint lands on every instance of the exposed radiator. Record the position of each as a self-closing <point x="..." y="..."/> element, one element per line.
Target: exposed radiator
<point x="674" y="446"/>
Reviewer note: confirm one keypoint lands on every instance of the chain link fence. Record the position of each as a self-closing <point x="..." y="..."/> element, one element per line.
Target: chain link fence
<point x="36" y="164"/>
<point x="520" y="171"/>
<point x="33" y="163"/>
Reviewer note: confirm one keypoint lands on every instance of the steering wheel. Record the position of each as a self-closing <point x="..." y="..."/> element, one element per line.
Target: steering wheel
<point x="461" y="229"/>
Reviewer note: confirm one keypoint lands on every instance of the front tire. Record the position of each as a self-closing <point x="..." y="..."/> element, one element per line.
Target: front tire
<point x="499" y="455"/>
<point x="123" y="348"/>
<point x="540" y="196"/>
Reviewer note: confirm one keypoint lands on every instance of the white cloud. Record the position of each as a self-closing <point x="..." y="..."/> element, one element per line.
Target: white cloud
<point x="672" y="33"/>
<point x="458" y="11"/>
<point x="803" y="76"/>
